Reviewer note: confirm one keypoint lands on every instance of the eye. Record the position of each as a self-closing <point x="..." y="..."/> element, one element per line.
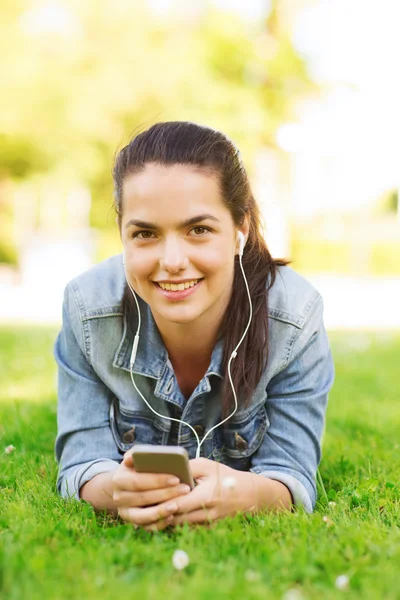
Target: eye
<point x="200" y="231"/>
<point x="143" y="235"/>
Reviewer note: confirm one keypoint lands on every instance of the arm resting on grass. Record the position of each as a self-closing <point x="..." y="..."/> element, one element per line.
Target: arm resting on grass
<point x="85" y="446"/>
<point x="99" y="491"/>
<point x="296" y="406"/>
<point x="272" y="495"/>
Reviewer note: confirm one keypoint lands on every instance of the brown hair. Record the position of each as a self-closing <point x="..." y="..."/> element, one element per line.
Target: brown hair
<point x="184" y="143"/>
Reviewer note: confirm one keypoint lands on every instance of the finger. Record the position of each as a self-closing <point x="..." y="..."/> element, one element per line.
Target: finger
<point x="130" y="480"/>
<point x="149" y="515"/>
<point x="160" y="525"/>
<point x="203" y="467"/>
<point x="200" y="467"/>
<point x="148" y="498"/>
<point x="128" y="459"/>
<point x="199" y="498"/>
<point x="196" y="516"/>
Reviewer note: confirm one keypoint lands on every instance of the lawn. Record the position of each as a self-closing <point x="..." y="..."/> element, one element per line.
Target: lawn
<point x="51" y="549"/>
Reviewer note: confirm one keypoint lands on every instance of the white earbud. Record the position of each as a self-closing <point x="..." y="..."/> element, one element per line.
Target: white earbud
<point x="242" y="241"/>
<point x="123" y="258"/>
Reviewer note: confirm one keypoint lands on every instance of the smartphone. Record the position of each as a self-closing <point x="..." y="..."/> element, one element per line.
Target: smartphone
<point x="172" y="460"/>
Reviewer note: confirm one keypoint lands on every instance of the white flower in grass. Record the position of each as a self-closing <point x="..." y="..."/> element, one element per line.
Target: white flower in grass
<point x="229" y="483"/>
<point x="9" y="449"/>
<point x="332" y="504"/>
<point x="342" y="582"/>
<point x="251" y="575"/>
<point x="180" y="559"/>
<point x="292" y="594"/>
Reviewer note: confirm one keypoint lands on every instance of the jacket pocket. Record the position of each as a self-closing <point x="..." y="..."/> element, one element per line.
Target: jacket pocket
<point x="130" y="428"/>
<point x="235" y="444"/>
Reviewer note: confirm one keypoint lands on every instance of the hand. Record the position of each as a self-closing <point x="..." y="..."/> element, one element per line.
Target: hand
<point x="221" y="491"/>
<point x="145" y="499"/>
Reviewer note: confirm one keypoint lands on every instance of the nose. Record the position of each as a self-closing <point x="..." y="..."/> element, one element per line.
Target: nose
<point x="174" y="258"/>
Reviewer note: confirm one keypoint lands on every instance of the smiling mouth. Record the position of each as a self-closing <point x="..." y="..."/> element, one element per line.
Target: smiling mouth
<point x="178" y="287"/>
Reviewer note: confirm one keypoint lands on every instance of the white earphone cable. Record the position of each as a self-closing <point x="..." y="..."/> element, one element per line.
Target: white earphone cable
<point x="131" y="363"/>
<point x="233" y="355"/>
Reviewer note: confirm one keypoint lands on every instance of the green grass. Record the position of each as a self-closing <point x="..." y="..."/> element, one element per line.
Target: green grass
<point x="51" y="549"/>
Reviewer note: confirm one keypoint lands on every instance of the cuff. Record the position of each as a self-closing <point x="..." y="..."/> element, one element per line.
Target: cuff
<point x="70" y="484"/>
<point x="299" y="493"/>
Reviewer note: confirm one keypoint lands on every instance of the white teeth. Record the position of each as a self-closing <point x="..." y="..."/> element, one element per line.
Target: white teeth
<point x="175" y="287"/>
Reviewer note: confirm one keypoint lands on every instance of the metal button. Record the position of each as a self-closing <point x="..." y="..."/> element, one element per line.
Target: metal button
<point x="199" y="429"/>
<point x="129" y="436"/>
<point x="240" y="442"/>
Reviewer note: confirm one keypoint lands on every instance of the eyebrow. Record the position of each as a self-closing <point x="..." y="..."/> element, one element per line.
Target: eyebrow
<point x="187" y="223"/>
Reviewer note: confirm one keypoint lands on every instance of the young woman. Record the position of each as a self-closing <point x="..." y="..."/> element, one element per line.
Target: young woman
<point x="190" y="231"/>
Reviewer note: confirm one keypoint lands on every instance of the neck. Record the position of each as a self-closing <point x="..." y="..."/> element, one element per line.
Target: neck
<point x="185" y="344"/>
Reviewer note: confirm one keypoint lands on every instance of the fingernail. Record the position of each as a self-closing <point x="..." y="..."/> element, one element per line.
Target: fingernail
<point x="173" y="507"/>
<point x="183" y="489"/>
<point x="173" y="481"/>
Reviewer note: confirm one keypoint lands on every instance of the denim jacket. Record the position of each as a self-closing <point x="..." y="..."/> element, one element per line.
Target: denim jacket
<point x="100" y="415"/>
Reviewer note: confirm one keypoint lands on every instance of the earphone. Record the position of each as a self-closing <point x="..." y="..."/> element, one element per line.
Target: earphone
<point x="240" y="238"/>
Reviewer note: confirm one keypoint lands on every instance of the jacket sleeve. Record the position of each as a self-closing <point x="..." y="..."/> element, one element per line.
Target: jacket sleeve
<point x="84" y="445"/>
<point x="296" y="405"/>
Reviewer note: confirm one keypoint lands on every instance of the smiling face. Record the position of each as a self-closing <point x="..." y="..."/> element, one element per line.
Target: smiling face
<point x="177" y="233"/>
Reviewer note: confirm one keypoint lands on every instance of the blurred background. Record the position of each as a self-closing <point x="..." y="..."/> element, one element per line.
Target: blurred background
<point x="308" y="89"/>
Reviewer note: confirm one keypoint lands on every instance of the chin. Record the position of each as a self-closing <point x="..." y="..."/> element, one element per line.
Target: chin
<point x="182" y="318"/>
<point x="180" y="314"/>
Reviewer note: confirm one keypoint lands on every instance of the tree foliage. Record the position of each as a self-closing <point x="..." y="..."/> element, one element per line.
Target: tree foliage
<point x="81" y="77"/>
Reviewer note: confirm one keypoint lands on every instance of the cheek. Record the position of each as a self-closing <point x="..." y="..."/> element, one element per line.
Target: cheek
<point x="219" y="265"/>
<point x="141" y="268"/>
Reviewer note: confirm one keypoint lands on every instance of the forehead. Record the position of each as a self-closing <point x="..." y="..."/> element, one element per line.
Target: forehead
<point x="169" y="190"/>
